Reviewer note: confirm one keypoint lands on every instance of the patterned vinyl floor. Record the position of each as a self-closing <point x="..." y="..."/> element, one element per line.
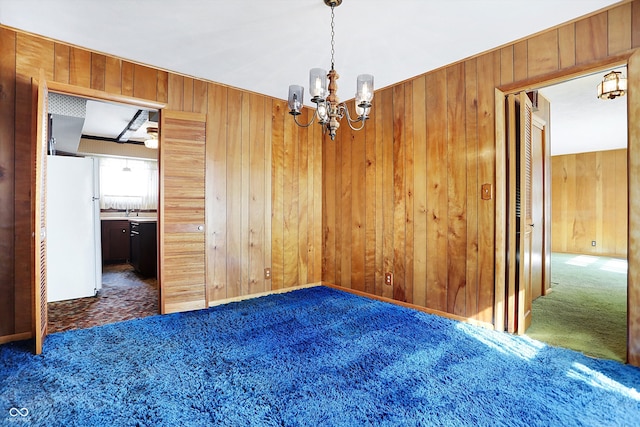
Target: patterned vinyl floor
<point x="124" y="295"/>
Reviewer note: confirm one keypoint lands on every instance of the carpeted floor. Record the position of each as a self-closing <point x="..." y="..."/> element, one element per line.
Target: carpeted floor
<point x="313" y="357"/>
<point x="125" y="295"/>
<point x="587" y="309"/>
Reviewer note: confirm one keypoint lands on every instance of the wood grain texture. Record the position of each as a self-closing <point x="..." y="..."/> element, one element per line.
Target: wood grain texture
<point x="472" y="184"/>
<point x="234" y="194"/>
<point x="182" y="213"/>
<point x="419" y="155"/>
<point x="7" y="180"/>
<point x="589" y="202"/>
<point x="425" y="202"/>
<point x="61" y="65"/>
<point x="216" y="184"/>
<point x="399" y="230"/>
<point x="258" y="128"/>
<point x="437" y="254"/>
<point x="277" y="195"/>
<point x="456" y="192"/>
<point x="581" y="44"/>
<point x="541" y="59"/>
<point x="98" y="71"/>
<point x="633" y="257"/>
<point x="567" y="45"/>
<point x="80" y="67"/>
<point x="619" y="29"/>
<point x="409" y="191"/>
<point x="591" y="38"/>
<point x="32" y="55"/>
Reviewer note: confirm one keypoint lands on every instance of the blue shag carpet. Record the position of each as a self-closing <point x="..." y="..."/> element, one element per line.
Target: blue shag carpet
<point x="314" y="357"/>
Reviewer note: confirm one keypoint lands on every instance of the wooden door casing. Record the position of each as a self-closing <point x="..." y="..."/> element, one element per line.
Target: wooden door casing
<point x="524" y="284"/>
<point x="181" y="214"/>
<point x="538" y="208"/>
<point x="39" y="190"/>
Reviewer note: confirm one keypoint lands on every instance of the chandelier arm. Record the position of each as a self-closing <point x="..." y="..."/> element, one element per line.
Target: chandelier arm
<point x="350" y="121"/>
<point x="313" y="119"/>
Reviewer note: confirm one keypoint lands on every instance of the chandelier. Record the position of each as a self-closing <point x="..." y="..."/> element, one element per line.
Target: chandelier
<point x="329" y="110"/>
<point x="613" y="84"/>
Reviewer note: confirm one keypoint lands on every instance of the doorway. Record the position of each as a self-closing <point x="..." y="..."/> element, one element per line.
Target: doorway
<point x="114" y="136"/>
<point x="513" y="295"/>
<point x="585" y="309"/>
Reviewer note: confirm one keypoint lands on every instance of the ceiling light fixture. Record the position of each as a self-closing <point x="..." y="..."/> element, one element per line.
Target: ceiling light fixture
<point x="613" y="84"/>
<point x="329" y="110"/>
<point x="152" y="141"/>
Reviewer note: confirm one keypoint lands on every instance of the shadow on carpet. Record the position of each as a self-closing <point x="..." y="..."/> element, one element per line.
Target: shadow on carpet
<point x="316" y="357"/>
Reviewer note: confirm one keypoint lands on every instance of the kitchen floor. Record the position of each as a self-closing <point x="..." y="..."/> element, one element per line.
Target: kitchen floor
<point x="124" y="295"/>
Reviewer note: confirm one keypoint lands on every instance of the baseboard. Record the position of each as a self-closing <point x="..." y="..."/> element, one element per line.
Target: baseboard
<point x="413" y="306"/>
<point x="16" y="337"/>
<point x="261" y="294"/>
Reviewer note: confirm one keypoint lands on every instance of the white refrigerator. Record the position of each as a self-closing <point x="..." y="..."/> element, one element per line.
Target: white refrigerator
<point x="74" y="261"/>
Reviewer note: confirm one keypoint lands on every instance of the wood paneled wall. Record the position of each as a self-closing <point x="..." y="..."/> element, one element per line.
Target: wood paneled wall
<point x="404" y="196"/>
<point x="589" y="192"/>
<point x="243" y="130"/>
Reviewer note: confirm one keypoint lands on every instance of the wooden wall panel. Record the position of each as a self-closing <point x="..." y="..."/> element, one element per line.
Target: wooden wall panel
<point x="61" y="65"/>
<point x="80" y="67"/>
<point x="541" y="59"/>
<point x="216" y="153"/>
<point x="456" y="192"/>
<point x="419" y="157"/>
<point x="113" y="76"/>
<point x="589" y="203"/>
<point x="567" y="45"/>
<point x="32" y="55"/>
<point x="471" y="153"/>
<point x="358" y="207"/>
<point x="591" y="38"/>
<point x="435" y="146"/>
<point x="98" y="70"/>
<point x="126" y="85"/>
<point x="409" y="192"/>
<point x="7" y="180"/>
<point x="437" y="254"/>
<point x="399" y="230"/>
<point x="619" y="37"/>
<point x="243" y="132"/>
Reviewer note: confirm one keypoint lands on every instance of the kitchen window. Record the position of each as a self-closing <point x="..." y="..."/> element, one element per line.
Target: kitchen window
<point x="128" y="184"/>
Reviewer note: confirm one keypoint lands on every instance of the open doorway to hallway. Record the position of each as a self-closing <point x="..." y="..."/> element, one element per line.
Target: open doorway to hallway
<point x="585" y="308"/>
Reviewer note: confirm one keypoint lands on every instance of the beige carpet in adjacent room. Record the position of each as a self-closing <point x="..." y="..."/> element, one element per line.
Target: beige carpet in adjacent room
<point x="587" y="308"/>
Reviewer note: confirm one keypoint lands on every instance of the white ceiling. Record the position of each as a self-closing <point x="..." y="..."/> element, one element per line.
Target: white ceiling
<point x="264" y="46"/>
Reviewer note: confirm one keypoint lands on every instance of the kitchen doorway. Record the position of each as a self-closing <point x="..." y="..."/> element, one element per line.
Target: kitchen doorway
<point x="122" y="139"/>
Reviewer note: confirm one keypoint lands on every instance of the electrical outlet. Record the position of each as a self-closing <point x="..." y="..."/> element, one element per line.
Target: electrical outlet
<point x="593" y="243"/>
<point x="267" y="273"/>
<point x="388" y="278"/>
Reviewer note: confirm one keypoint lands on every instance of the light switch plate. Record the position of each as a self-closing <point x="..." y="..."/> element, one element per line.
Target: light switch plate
<point x="487" y="192"/>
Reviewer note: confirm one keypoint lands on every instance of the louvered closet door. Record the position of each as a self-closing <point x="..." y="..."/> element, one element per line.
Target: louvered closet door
<point x="181" y="213"/>
<point x="39" y="190"/>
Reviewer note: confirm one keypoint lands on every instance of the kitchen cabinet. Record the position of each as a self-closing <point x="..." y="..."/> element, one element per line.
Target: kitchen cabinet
<point x="115" y="241"/>
<point x="144" y="246"/>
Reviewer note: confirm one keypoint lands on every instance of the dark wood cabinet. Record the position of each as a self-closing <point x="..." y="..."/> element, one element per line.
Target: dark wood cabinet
<point x="143" y="243"/>
<point x="115" y="241"/>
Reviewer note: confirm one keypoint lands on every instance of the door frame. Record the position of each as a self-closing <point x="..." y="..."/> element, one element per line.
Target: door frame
<point x="80" y="92"/>
<point x="501" y="311"/>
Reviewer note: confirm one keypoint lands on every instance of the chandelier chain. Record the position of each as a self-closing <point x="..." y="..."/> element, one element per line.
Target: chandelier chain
<point x="333" y="33"/>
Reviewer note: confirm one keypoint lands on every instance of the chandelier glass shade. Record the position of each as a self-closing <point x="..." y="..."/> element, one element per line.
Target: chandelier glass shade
<point x="323" y="88"/>
<point x="613" y="84"/>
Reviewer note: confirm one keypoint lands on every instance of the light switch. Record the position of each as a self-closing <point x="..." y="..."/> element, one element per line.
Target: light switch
<point x="486" y="192"/>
